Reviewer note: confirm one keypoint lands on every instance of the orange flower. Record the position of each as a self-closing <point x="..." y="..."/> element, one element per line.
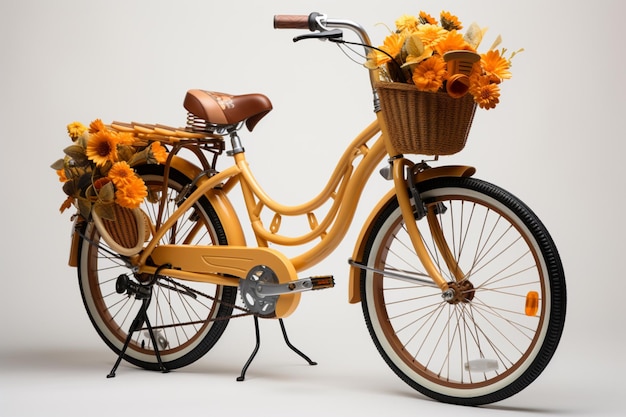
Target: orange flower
<point x="496" y="67"/>
<point x="61" y="174"/>
<point x="102" y="147"/>
<point x="101" y="182"/>
<point x="449" y="21"/>
<point x="429" y="74"/>
<point x="121" y="173"/>
<point x="125" y="138"/>
<point x="96" y="126"/>
<point x="453" y="41"/>
<point x="131" y="193"/>
<point x="392" y="46"/>
<point x="158" y="152"/>
<point x="486" y="94"/>
<point x="426" y="18"/>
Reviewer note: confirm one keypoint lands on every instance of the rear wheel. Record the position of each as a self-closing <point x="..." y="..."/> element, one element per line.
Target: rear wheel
<point x="501" y="329"/>
<point x="188" y="317"/>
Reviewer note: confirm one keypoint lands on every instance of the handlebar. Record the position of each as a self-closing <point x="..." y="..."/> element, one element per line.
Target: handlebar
<point x="319" y="22"/>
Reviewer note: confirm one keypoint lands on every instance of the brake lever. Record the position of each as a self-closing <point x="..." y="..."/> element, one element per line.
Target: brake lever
<point x="327" y="34"/>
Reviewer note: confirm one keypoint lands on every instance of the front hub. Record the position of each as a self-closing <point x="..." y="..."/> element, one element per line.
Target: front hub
<point x="463" y="292"/>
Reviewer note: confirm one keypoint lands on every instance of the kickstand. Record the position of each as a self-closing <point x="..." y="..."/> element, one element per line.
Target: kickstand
<point x="292" y="347"/>
<point x="258" y="343"/>
<point x="142" y="317"/>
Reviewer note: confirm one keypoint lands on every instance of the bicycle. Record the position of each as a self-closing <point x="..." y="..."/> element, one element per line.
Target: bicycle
<point x="461" y="285"/>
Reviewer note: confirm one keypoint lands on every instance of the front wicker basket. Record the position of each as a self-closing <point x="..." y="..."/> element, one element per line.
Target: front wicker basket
<point x="426" y="123"/>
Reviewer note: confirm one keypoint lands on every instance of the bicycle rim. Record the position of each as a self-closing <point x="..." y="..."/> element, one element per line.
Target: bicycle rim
<point x="188" y="318"/>
<point x="484" y="346"/>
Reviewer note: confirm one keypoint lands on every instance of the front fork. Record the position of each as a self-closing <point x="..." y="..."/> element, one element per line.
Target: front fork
<point x="404" y="174"/>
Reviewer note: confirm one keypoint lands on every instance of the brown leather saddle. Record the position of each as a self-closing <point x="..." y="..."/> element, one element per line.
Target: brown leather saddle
<point x="222" y="109"/>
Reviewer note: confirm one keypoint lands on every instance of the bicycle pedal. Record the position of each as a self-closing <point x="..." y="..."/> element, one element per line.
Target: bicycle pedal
<point x="322" y="281"/>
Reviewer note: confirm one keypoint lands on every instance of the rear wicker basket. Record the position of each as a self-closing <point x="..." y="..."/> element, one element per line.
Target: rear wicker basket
<point x="127" y="233"/>
<point x="425" y="123"/>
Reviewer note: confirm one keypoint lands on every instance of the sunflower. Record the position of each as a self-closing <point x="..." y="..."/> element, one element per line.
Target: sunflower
<point x="429" y="74"/>
<point x="102" y="148"/>
<point x="486" y="94"/>
<point x="130" y="194"/>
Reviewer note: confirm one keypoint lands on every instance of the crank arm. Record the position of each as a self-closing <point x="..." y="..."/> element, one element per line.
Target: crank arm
<point x="267" y="289"/>
<point x="412" y="277"/>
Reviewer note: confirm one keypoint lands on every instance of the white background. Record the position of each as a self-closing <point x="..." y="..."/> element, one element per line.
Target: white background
<point x="556" y="140"/>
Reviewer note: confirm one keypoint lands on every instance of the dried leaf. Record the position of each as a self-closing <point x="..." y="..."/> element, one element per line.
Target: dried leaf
<point x="105" y="211"/>
<point x="59" y="164"/>
<point x="77" y="153"/>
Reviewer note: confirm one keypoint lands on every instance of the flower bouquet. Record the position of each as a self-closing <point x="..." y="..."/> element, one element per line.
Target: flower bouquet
<point x="432" y="79"/>
<point x="98" y="178"/>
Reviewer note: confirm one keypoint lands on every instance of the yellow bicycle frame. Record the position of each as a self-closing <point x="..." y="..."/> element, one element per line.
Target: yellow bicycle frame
<point x="226" y="265"/>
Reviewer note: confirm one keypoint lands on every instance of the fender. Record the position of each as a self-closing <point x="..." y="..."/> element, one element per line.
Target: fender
<point x="218" y="199"/>
<point x="354" y="285"/>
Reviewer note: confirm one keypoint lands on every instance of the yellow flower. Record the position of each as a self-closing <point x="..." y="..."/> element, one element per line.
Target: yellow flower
<point x="449" y="21"/>
<point x="429" y="74"/>
<point x="486" y="94"/>
<point x="426" y="18"/>
<point x="121" y="173"/>
<point x="158" y="152"/>
<point x="496" y="67"/>
<point x="102" y="148"/>
<point x="131" y="193"/>
<point x="430" y="34"/>
<point x="96" y="126"/>
<point x="75" y="130"/>
<point x="407" y="23"/>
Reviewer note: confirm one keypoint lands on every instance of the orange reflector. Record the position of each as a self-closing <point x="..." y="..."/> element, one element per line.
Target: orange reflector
<point x="532" y="303"/>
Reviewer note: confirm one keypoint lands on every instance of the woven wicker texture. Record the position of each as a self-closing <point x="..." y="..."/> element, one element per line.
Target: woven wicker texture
<point x="123" y="230"/>
<point x="425" y="123"/>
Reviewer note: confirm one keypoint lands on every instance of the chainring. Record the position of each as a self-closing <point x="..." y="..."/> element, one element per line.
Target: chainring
<point x="263" y="305"/>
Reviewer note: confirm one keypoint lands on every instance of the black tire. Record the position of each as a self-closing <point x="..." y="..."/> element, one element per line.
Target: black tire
<point x="505" y="253"/>
<point x="178" y="310"/>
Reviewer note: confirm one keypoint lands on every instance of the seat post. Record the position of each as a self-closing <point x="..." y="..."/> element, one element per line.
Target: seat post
<point x="235" y="142"/>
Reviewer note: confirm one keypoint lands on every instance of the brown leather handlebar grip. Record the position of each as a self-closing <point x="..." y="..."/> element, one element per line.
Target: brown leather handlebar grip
<point x="287" y="21"/>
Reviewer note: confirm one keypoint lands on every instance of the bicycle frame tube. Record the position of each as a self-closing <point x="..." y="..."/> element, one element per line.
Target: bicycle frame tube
<point x="344" y="187"/>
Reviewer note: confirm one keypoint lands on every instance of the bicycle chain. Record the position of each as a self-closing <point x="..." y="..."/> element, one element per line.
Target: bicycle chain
<point x="246" y="312"/>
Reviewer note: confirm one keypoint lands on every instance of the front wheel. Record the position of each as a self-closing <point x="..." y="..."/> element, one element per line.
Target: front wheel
<point x="501" y="329"/>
